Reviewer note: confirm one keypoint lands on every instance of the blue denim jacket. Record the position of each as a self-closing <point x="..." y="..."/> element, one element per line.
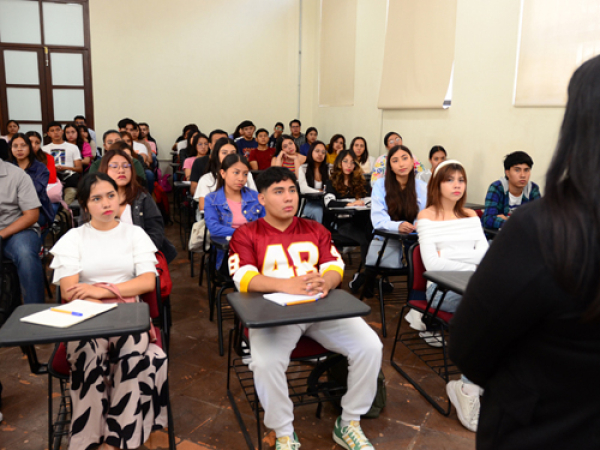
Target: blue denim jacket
<point x="218" y="216"/>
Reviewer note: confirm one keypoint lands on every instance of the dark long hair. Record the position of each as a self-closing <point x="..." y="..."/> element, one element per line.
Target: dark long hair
<point x="279" y="144"/>
<point x="133" y="189"/>
<point x="434" y="189"/>
<point x="334" y="138"/>
<point x="84" y="189"/>
<point x="365" y="156"/>
<point x="229" y="161"/>
<point x="356" y="184"/>
<point x="31" y="157"/>
<point x="39" y="155"/>
<point x="401" y="203"/>
<point x="571" y="217"/>
<point x="310" y="166"/>
<point x="192" y="149"/>
<point x="79" y="141"/>
<point x="214" y="165"/>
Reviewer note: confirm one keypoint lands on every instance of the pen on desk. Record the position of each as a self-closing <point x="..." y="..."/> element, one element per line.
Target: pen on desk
<point x="72" y="313"/>
<point x="299" y="302"/>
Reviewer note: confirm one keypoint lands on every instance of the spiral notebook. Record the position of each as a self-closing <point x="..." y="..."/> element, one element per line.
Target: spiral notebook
<point x="69" y="314"/>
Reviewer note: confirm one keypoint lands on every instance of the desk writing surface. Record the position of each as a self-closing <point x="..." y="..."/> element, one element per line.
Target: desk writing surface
<point x="126" y="318"/>
<point x="456" y="281"/>
<point x="257" y="312"/>
<point x="396" y="235"/>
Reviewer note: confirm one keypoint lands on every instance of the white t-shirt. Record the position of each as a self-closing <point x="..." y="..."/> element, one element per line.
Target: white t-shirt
<point x="514" y="202"/>
<point x="113" y="256"/>
<point x="207" y="184"/>
<point x="181" y="145"/>
<point x="140" y="148"/>
<point x="64" y="154"/>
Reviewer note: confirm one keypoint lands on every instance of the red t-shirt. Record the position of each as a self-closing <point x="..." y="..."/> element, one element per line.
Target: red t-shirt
<point x="262" y="157"/>
<point x="258" y="248"/>
<point x="51" y="166"/>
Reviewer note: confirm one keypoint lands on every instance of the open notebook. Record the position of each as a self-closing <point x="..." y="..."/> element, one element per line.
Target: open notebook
<point x="62" y="317"/>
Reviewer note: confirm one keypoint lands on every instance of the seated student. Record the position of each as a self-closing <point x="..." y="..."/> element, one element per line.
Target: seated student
<point x="140" y="157"/>
<point x="19" y="230"/>
<point x="260" y="253"/>
<point x="314" y="175"/>
<point x="4" y="150"/>
<point x="67" y="159"/>
<point x="260" y="157"/>
<point x="23" y="156"/>
<point x="73" y="136"/>
<point x="181" y="141"/>
<point x="199" y="166"/>
<point x="85" y="134"/>
<point x="398" y="197"/>
<point x="347" y="187"/>
<point x="80" y="122"/>
<point x="288" y="155"/>
<point x="337" y="143"/>
<point x="437" y="155"/>
<point x="183" y="153"/>
<point x="232" y="204"/>
<point x="108" y="139"/>
<point x="311" y="136"/>
<point x="390" y="141"/>
<point x="147" y="138"/>
<point x="139" y="145"/>
<point x="245" y="142"/>
<point x="451" y="238"/>
<point x="116" y="383"/>
<point x="136" y="205"/>
<point x="296" y="133"/>
<point x="508" y="193"/>
<point x="359" y="147"/>
<point x="208" y="182"/>
<point x="277" y="132"/>
<point x="44" y="158"/>
<point x="12" y="128"/>
<point x="197" y="149"/>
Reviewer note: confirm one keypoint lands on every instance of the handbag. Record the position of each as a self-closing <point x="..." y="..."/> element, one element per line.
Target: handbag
<point x="392" y="256"/>
<point x="118" y="298"/>
<point x="198" y="235"/>
<point x="166" y="284"/>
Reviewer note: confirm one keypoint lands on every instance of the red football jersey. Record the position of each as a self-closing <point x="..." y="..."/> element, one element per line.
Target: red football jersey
<point x="258" y="248"/>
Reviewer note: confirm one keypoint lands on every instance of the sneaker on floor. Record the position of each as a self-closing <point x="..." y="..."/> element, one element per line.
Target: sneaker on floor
<point x="467" y="407"/>
<point x="350" y="437"/>
<point x="287" y="443"/>
<point x="357" y="282"/>
<point x="413" y="317"/>
<point x="388" y="287"/>
<point x="433" y="338"/>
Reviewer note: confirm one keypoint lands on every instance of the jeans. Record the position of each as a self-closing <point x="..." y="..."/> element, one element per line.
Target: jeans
<point x="313" y="210"/>
<point x="451" y="301"/>
<point x="23" y="250"/>
<point x="149" y="180"/>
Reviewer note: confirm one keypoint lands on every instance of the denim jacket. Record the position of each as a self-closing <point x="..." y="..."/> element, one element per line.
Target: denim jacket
<point x="218" y="216"/>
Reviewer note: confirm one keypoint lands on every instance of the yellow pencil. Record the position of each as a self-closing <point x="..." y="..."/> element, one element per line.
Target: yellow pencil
<point x="310" y="300"/>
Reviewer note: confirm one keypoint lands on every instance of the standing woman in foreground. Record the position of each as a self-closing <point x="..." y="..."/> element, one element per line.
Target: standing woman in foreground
<point x="528" y="327"/>
<point x="116" y="383"/>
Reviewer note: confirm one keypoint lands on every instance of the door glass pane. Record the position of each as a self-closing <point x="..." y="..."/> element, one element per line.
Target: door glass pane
<point x="67" y="69"/>
<point x="24" y="104"/>
<point x="20" y="22"/>
<point x="25" y="127"/>
<point x="21" y="67"/>
<point x="63" y="24"/>
<point x="68" y="103"/>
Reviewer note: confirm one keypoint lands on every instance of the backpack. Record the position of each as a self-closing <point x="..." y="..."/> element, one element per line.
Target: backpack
<point x="336" y="369"/>
<point x="163" y="181"/>
<point x="63" y="222"/>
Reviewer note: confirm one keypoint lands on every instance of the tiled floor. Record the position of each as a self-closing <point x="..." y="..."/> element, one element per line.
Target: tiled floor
<point x="202" y="413"/>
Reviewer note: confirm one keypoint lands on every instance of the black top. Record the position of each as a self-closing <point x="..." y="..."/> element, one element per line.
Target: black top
<point x="256" y="312"/>
<point x="3" y="150"/>
<point x="519" y="336"/>
<point x="329" y="189"/>
<point x="126" y="318"/>
<point x="199" y="168"/>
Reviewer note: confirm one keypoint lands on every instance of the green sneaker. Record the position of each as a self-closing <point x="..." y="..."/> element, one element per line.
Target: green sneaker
<point x="351" y="437"/>
<point x="287" y="443"/>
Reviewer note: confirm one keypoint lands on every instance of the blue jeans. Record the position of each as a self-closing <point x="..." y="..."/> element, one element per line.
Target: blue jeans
<point x="149" y="180"/>
<point x="451" y="301"/>
<point x="23" y="250"/>
<point x="313" y="210"/>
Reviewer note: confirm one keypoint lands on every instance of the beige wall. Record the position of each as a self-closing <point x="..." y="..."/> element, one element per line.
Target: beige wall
<point x="201" y="61"/>
<point x="481" y="126"/>
<point x="211" y="62"/>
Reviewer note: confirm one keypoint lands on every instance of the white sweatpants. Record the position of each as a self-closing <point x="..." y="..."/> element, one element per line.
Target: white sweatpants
<point x="271" y="349"/>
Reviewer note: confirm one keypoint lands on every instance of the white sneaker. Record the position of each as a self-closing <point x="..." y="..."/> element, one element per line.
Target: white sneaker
<point x="433" y="338"/>
<point x="413" y="317"/>
<point x="467" y="407"/>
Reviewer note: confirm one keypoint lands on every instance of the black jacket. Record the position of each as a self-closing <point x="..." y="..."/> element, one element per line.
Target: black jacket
<point x="520" y="336"/>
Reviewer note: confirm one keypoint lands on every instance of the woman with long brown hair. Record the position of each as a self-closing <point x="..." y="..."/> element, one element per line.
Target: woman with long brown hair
<point x="451" y="238"/>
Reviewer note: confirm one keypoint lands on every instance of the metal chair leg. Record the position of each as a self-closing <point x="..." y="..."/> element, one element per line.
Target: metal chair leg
<point x="382" y="307"/>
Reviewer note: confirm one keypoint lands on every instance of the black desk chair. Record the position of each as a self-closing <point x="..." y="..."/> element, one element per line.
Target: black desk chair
<point x="380" y="273"/>
<point x="58" y="367"/>
<point x="435" y="358"/>
<point x="218" y="283"/>
<point x="331" y="220"/>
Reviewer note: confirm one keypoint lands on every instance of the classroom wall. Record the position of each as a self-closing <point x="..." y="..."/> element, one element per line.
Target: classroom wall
<point x="210" y="62"/>
<point x="480" y="127"/>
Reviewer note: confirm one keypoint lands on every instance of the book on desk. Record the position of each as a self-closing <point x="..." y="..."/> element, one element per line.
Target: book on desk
<point x="69" y="314"/>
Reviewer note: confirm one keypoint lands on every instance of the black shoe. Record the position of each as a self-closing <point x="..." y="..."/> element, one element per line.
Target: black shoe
<point x="357" y="282"/>
<point x="388" y="287"/>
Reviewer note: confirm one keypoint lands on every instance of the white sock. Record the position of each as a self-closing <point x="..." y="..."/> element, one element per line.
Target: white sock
<point x="344" y="423"/>
<point x="470" y="389"/>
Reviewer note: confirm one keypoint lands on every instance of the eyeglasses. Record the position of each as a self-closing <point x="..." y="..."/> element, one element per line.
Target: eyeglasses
<point x="122" y="166"/>
<point x="278" y="128"/>
<point x="320" y="152"/>
<point x="395" y="141"/>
